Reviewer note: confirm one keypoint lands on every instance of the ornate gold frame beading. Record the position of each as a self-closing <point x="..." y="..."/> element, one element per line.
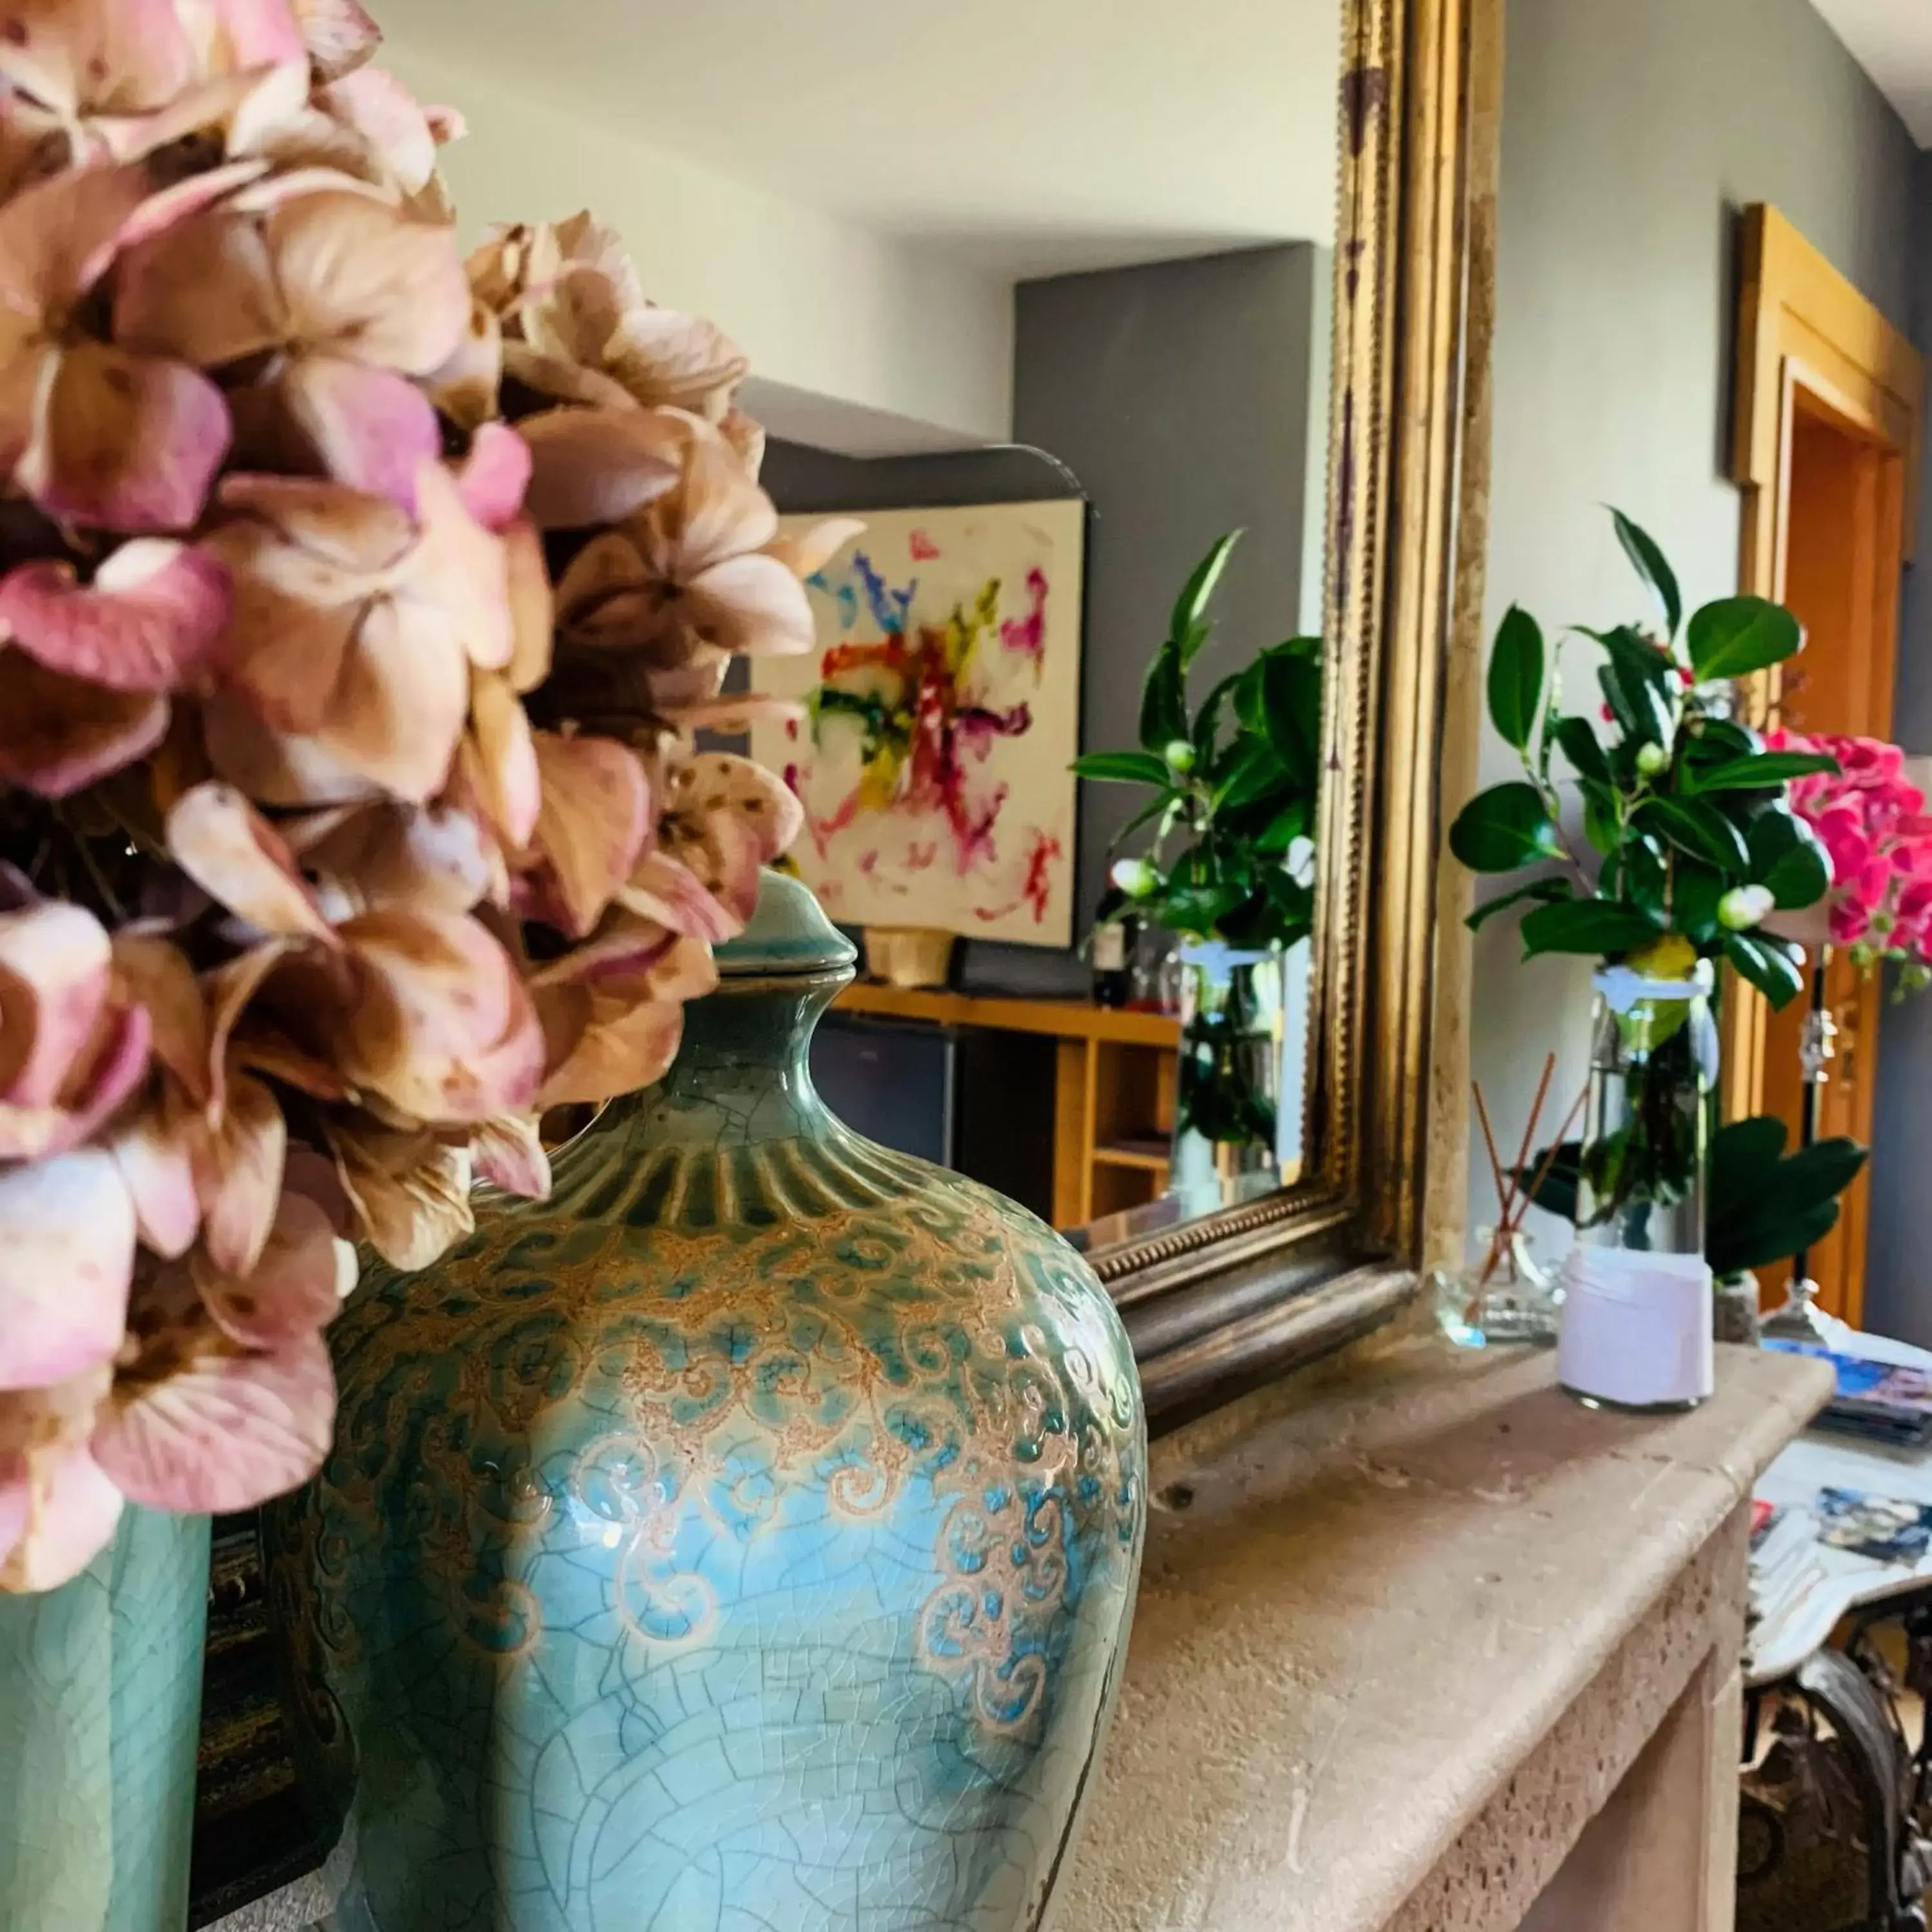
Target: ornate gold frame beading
<point x="1247" y="1292"/>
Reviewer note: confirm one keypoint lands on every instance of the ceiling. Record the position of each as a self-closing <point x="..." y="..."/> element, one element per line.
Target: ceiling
<point x="1892" y="39"/>
<point x="1029" y="136"/>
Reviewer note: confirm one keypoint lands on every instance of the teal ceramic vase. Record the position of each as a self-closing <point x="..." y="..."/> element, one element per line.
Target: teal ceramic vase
<point x="743" y="1539"/>
<point x="99" y="1718"/>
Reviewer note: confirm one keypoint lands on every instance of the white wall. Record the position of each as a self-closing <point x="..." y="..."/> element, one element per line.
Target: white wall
<point x="1631" y="134"/>
<point x="919" y="348"/>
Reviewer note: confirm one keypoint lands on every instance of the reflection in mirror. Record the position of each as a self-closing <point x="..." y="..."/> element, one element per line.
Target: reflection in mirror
<point x="1040" y="296"/>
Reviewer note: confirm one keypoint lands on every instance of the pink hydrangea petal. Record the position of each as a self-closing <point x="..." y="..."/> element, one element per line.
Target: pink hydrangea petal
<point x="67" y="1253"/>
<point x="76" y="55"/>
<point x="125" y="443"/>
<point x="593" y="821"/>
<point x="292" y="1290"/>
<point x="595" y="466"/>
<point x="155" y="1153"/>
<point x="501" y="759"/>
<point x="495" y="475"/>
<point x="399" y="707"/>
<point x="363" y="278"/>
<point x="59" y="735"/>
<point x="509" y="1154"/>
<point x="68" y="1512"/>
<point x="259" y="32"/>
<point x="152" y="619"/>
<point x="372" y="428"/>
<point x="227" y="1428"/>
<point x="58" y="234"/>
<point x="661" y="887"/>
<point x="443" y="1027"/>
<point x="377" y="104"/>
<point x="237" y="1174"/>
<point x="752" y="604"/>
<point x="410" y="1192"/>
<point x="205" y="292"/>
<point x="154" y="972"/>
<point x="237" y="858"/>
<point x="340" y="35"/>
<point x="120" y="1063"/>
<point x="462" y="570"/>
<point x="55" y="961"/>
<point x="629" y="1047"/>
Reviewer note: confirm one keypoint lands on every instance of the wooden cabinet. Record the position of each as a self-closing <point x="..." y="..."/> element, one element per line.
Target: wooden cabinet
<point x="1114" y="1082"/>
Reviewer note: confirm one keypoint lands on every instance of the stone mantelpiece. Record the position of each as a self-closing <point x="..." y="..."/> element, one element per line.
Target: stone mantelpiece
<point x="1422" y="1646"/>
<point x="1400" y="1643"/>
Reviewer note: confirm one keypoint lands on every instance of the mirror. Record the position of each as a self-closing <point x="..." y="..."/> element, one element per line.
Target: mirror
<point x="1045" y="306"/>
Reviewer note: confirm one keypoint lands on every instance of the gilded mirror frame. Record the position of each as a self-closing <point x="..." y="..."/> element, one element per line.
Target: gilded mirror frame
<point x="1224" y="1300"/>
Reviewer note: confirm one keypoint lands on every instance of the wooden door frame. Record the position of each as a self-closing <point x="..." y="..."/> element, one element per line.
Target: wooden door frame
<point x="1808" y="339"/>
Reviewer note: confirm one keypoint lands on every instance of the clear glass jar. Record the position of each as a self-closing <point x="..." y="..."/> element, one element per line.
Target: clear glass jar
<point x="1502" y="1296"/>
<point x="1653" y="1088"/>
<point x="1228" y="1090"/>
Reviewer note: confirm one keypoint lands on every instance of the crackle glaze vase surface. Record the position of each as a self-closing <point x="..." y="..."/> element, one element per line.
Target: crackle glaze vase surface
<point x="99" y="1719"/>
<point x="742" y="1540"/>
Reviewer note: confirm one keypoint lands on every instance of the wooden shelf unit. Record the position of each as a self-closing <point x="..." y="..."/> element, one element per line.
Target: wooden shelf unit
<point x="1114" y="1085"/>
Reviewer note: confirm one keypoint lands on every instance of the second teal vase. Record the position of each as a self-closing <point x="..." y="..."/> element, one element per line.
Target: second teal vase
<point x="100" y="1715"/>
<point x="744" y="1538"/>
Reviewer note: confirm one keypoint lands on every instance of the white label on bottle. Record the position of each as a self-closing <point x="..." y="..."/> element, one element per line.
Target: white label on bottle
<point x="1110" y="947"/>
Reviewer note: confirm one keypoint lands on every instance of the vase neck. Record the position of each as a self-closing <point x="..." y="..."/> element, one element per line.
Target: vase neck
<point x="743" y="1075"/>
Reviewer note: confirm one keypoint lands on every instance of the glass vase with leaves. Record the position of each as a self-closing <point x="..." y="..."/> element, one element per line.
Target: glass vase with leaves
<point x="1225" y="863"/>
<point x="1689" y="843"/>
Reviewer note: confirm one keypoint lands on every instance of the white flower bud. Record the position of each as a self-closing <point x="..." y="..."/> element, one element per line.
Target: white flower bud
<point x="1136" y="877"/>
<point x="1744" y="907"/>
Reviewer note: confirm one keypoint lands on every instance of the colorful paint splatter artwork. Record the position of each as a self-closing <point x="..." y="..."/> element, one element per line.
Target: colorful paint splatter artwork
<point x="942" y="712"/>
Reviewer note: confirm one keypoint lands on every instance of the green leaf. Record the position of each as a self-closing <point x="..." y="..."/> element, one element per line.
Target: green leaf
<point x="1505" y="827"/>
<point x="1152" y="809"/>
<point x="1556" y="1193"/>
<point x="1789" y="858"/>
<point x="1722" y="738"/>
<point x="1820" y="1172"/>
<point x="1599" y="926"/>
<point x="1578" y="740"/>
<point x="1290" y="691"/>
<point x="1185" y="627"/>
<point x="1543" y="892"/>
<point x="1517" y="672"/>
<point x="1601" y="824"/>
<point x="1163" y="700"/>
<point x="1637" y="660"/>
<point x="1770" y="964"/>
<point x="1646" y="877"/>
<point x="1743" y="1155"/>
<point x="1208" y="719"/>
<point x="1288" y="825"/>
<point x="1250" y="771"/>
<point x="1695" y="891"/>
<point x="1197" y="909"/>
<point x="1123" y="768"/>
<point x="1738" y="635"/>
<point x="1642" y="551"/>
<point x="1702" y="830"/>
<point x="1638" y="704"/>
<point x="1764" y="772"/>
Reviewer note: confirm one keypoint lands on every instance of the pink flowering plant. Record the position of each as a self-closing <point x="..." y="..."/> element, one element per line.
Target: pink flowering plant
<point x="1872" y="820"/>
<point x="358" y="608"/>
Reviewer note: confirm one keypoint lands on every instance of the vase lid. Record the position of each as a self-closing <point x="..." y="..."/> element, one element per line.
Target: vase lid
<point x="788" y="932"/>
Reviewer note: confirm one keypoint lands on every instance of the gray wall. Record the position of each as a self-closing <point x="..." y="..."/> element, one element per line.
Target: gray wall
<point x="1181" y="400"/>
<point x="1898" y="1272"/>
<point x="1632" y="133"/>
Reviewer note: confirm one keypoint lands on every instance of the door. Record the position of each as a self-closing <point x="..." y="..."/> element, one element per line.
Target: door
<point x="1828" y="407"/>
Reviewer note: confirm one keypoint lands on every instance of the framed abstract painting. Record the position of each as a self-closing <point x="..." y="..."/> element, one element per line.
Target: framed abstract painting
<point x="942" y="713"/>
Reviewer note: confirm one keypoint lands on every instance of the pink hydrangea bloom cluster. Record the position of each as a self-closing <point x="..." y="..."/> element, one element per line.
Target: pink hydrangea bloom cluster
<point x="358" y="605"/>
<point x="1872" y="821"/>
